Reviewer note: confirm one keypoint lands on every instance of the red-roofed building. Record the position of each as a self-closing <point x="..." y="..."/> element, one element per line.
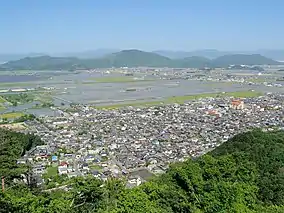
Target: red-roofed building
<point x="64" y="164"/>
<point x="237" y="104"/>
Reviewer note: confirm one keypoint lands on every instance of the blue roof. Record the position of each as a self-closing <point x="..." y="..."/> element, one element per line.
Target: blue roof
<point x="54" y="157"/>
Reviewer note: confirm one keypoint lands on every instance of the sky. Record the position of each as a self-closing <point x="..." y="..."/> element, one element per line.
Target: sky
<point x="55" y="26"/>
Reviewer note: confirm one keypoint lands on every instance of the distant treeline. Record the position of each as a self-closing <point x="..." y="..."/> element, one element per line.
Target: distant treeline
<point x="245" y="174"/>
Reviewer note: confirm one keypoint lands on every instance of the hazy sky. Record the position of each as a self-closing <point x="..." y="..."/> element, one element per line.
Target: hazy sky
<point x="73" y="25"/>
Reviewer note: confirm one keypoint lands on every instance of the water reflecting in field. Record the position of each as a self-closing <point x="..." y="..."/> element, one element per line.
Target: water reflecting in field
<point x="82" y="87"/>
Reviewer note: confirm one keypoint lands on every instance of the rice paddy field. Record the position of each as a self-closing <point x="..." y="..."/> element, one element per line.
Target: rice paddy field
<point x="117" y="88"/>
<point x="182" y="99"/>
<point x="11" y="115"/>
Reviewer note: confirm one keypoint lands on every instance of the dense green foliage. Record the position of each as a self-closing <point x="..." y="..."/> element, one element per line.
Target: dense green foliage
<point x="267" y="153"/>
<point x="242" y="175"/>
<point x="12" y="146"/>
<point x="19" y="98"/>
<point x="23" y="118"/>
<point x="132" y="58"/>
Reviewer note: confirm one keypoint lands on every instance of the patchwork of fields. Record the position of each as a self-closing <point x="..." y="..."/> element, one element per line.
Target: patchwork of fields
<point x="116" y="89"/>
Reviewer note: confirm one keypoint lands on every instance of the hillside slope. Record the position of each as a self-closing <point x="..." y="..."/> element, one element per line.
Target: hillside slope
<point x="137" y="58"/>
<point x="266" y="152"/>
<point x="132" y="58"/>
<point x="192" y="62"/>
<point x="42" y="63"/>
<point x="245" y="174"/>
<point x="239" y="59"/>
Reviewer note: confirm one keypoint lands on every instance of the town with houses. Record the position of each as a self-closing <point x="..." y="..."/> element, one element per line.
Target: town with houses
<point x="137" y="143"/>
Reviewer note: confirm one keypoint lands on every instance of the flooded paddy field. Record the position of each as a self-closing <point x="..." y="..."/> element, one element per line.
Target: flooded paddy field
<point x="27" y="79"/>
<point x="106" y="88"/>
<point x="143" y="90"/>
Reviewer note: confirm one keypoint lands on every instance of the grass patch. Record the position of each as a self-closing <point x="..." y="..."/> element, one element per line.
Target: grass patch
<point x="11" y="115"/>
<point x="134" y="104"/>
<point x="17" y="84"/>
<point x="183" y="99"/>
<point x="95" y="167"/>
<point x="245" y="94"/>
<point x="238" y="94"/>
<point x="51" y="171"/>
<point x="2" y="107"/>
<point x="2" y="100"/>
<point x="258" y="80"/>
<point x="216" y="84"/>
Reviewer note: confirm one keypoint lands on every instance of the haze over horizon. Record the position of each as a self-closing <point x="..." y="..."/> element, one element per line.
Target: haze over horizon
<point x="70" y="26"/>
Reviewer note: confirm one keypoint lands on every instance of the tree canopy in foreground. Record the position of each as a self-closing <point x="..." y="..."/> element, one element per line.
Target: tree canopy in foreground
<point x="245" y="174"/>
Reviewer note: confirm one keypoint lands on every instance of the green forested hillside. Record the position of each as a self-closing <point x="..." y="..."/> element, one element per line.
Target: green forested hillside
<point x="136" y="58"/>
<point x="42" y="63"/>
<point x="266" y="151"/>
<point x="244" y="174"/>
<point x="238" y="59"/>
<point x="194" y="61"/>
<point x="133" y="58"/>
<point x="12" y="146"/>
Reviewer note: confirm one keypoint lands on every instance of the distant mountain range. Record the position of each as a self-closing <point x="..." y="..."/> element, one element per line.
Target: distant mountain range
<point x="134" y="58"/>
<point x="83" y="55"/>
<point x="10" y="57"/>
<point x="87" y="54"/>
<point x="277" y="55"/>
<point x="209" y="53"/>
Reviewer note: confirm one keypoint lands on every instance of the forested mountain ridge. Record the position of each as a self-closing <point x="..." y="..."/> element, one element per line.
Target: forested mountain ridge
<point x="245" y="174"/>
<point x="133" y="58"/>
